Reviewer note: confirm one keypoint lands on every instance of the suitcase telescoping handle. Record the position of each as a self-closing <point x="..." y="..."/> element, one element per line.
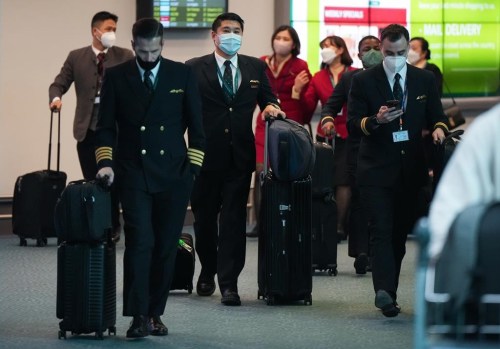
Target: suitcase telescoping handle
<point x="58" y="112"/>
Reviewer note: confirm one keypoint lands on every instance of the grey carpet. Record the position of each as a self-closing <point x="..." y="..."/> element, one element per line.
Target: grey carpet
<point x="342" y="314"/>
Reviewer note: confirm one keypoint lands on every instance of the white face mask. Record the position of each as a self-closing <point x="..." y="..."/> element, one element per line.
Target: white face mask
<point x="413" y="57"/>
<point x="328" y="54"/>
<point x="107" y="39"/>
<point x="395" y="63"/>
<point x="282" y="47"/>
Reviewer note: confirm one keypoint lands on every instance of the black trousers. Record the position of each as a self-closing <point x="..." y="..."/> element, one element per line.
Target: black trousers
<point x="86" y="155"/>
<point x="358" y="224"/>
<point x="219" y="203"/>
<point x="391" y="216"/>
<point x="153" y="225"/>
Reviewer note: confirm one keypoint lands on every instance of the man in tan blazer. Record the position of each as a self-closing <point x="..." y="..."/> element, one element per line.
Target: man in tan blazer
<point x="85" y="67"/>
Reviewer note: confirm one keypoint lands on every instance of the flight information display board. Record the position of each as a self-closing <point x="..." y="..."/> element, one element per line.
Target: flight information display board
<point x="188" y="13"/>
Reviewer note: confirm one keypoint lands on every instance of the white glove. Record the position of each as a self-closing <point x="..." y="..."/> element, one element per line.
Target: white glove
<point x="106" y="172"/>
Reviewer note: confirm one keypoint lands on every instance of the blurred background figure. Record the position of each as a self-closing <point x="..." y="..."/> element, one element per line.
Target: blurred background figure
<point x="370" y="55"/>
<point x="336" y="61"/>
<point x="289" y="77"/>
<point x="419" y="55"/>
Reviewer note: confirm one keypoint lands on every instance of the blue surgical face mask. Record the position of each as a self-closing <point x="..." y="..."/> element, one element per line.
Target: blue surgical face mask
<point x="229" y="43"/>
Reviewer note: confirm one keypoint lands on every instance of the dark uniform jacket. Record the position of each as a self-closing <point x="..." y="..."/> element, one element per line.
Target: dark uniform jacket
<point x="151" y="149"/>
<point x="228" y="126"/>
<point x="381" y="161"/>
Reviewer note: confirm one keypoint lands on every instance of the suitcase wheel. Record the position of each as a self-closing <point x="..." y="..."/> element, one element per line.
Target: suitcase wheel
<point x="333" y="271"/>
<point x="62" y="334"/>
<point x="259" y="295"/>
<point x="98" y="335"/>
<point x="41" y="242"/>
<point x="190" y="290"/>
<point x="270" y="300"/>
<point x="23" y="242"/>
<point x="112" y="331"/>
<point x="308" y="300"/>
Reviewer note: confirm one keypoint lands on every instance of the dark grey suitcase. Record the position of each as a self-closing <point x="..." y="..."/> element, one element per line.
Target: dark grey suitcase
<point x="184" y="264"/>
<point x="284" y="255"/>
<point x="324" y="211"/>
<point x="34" y="199"/>
<point x="86" y="288"/>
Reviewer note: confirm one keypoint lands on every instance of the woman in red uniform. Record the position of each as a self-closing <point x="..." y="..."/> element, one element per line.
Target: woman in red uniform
<point x="336" y="61"/>
<point x="289" y="77"/>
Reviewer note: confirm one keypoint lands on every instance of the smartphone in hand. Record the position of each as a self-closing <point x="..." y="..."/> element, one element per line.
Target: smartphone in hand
<point x="392" y="103"/>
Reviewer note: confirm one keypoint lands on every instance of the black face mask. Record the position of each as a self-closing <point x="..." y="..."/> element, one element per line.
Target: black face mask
<point x="147" y="65"/>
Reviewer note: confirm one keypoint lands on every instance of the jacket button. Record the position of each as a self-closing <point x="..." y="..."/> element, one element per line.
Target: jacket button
<point x="162" y="128"/>
<point x="143" y="151"/>
<point x="143" y="128"/>
<point x="226" y="130"/>
<point x="162" y="152"/>
<point x="403" y="152"/>
<point x="231" y="109"/>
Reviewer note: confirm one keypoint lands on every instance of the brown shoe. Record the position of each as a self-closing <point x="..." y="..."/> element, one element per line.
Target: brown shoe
<point x="157" y="327"/>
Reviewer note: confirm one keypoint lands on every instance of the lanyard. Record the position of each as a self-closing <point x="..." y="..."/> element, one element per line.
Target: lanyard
<point x="403" y="105"/>
<point x="228" y="88"/>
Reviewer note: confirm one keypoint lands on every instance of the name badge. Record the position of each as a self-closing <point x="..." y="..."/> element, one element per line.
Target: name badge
<point x="400" y="136"/>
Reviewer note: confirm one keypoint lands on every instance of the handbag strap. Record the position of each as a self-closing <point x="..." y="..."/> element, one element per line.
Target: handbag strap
<point x="449" y="91"/>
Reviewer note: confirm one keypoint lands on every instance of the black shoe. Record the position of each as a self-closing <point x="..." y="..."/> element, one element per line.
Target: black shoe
<point x="116" y="234"/>
<point x="230" y="297"/>
<point x="156" y="327"/>
<point x="254" y="233"/>
<point x="205" y="287"/>
<point x="138" y="327"/>
<point x="387" y="304"/>
<point x="361" y="263"/>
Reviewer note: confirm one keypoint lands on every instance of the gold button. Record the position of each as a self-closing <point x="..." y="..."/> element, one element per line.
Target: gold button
<point x="230" y="109"/>
<point x="143" y="128"/>
<point x="143" y="151"/>
<point x="162" y="152"/>
<point x="226" y="130"/>
<point x="162" y="128"/>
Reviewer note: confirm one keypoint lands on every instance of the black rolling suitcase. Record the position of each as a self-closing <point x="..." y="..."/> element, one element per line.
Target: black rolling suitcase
<point x="35" y="196"/>
<point x="86" y="288"/>
<point x="284" y="256"/>
<point x="184" y="264"/>
<point x="324" y="211"/>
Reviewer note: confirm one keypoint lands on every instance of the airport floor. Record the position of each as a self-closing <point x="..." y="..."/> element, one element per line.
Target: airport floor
<point x="342" y="314"/>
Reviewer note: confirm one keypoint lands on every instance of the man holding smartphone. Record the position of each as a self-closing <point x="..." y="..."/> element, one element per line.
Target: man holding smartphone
<point x="388" y="106"/>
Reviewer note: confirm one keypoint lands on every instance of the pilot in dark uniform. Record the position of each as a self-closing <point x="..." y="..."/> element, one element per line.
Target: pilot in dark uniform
<point x="152" y="101"/>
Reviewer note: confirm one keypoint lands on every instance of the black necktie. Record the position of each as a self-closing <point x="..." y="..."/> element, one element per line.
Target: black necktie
<point x="147" y="81"/>
<point x="227" y="82"/>
<point x="397" y="91"/>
